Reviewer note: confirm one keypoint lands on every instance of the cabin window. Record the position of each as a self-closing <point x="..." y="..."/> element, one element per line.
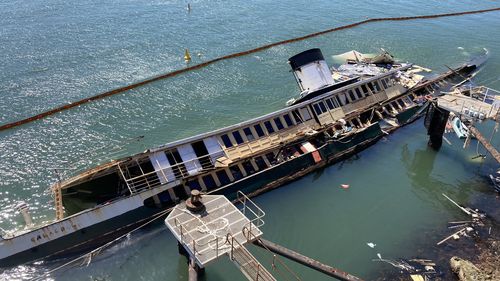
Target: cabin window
<point x="402" y="103"/>
<point x="338" y="100"/>
<point x="408" y="100"/>
<point x="175" y="160"/>
<point x="365" y="90"/>
<point x="296" y="116"/>
<point x="227" y="142"/>
<point x="270" y="158"/>
<point x="259" y="130"/>
<point x="248" y="167"/>
<point x="358" y="92"/>
<point x="317" y="109"/>
<point x="351" y="94"/>
<point x="269" y="127"/>
<point x="248" y="134"/>
<point x="261" y="164"/>
<point x="389" y="81"/>
<point x="288" y="120"/>
<point x="377" y="86"/>
<point x="278" y="123"/>
<point x="335" y="102"/>
<point x="355" y="123"/>
<point x="235" y="171"/>
<point x="370" y="85"/>
<point x="223" y="177"/>
<point x="209" y="182"/>
<point x="344" y="99"/>
<point x="194" y="184"/>
<point x="322" y="106"/>
<point x="329" y="103"/>
<point x="305" y="114"/>
<point x="384" y="84"/>
<point x="237" y="137"/>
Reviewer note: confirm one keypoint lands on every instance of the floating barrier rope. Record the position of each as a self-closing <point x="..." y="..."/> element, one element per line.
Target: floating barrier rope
<point x="226" y="57"/>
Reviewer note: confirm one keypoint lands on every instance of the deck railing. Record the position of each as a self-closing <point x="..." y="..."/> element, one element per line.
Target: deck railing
<point x="251" y="210"/>
<point x="166" y="174"/>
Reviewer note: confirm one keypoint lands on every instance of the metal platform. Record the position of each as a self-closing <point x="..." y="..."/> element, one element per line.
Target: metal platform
<point x="482" y="104"/>
<point x="217" y="229"/>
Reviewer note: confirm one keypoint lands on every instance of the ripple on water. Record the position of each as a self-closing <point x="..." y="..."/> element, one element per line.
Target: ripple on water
<point x="58" y="51"/>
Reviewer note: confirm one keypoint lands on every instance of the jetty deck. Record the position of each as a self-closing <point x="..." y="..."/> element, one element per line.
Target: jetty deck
<point x="205" y="235"/>
<point x="464" y="105"/>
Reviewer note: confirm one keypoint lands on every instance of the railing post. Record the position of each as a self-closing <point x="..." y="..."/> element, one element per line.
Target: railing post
<point x="125" y="179"/>
<point x="232" y="247"/>
<point x="194" y="249"/>
<point x="162" y="172"/>
<point x="216" y="246"/>
<point x="258" y="272"/>
<point x="182" y="234"/>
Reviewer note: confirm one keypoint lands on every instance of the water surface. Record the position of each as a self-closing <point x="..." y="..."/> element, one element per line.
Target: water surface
<point x="54" y="52"/>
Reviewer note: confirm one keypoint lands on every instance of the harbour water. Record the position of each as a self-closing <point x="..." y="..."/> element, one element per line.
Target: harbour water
<point x="54" y="52"/>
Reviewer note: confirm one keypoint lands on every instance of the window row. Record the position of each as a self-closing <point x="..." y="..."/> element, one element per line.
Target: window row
<point x="232" y="173"/>
<point x="352" y="95"/>
<point x="268" y="127"/>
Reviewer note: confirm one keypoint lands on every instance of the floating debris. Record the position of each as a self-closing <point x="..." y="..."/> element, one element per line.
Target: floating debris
<point x="417" y="269"/>
<point x="466" y="227"/>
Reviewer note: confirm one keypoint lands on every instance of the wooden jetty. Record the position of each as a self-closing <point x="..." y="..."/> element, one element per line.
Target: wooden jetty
<point x="210" y="226"/>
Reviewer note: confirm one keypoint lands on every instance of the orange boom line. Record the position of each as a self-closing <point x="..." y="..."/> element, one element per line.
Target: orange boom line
<point x="226" y="57"/>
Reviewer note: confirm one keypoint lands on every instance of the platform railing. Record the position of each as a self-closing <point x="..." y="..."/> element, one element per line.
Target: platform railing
<point x="253" y="212"/>
<point x="178" y="171"/>
<point x="186" y="239"/>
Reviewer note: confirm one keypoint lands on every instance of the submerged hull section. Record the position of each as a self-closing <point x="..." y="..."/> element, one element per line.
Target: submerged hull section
<point x="84" y="239"/>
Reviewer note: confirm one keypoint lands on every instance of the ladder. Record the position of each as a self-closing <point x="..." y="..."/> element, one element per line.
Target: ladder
<point x="247" y="263"/>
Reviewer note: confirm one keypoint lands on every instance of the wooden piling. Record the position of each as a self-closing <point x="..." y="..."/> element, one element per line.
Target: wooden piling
<point x="192" y="271"/>
<point x="309" y="262"/>
<point x="435" y="121"/>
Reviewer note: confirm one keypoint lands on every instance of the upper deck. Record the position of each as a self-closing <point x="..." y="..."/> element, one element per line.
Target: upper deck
<point x="223" y="147"/>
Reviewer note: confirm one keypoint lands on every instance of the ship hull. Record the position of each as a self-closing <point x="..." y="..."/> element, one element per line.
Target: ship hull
<point x="87" y="238"/>
<point x="84" y="239"/>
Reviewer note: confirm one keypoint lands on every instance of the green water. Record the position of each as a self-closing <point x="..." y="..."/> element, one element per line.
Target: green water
<point x="58" y="51"/>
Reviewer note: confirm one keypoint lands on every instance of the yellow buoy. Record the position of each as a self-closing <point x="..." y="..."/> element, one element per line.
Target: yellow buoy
<point x="187" y="56"/>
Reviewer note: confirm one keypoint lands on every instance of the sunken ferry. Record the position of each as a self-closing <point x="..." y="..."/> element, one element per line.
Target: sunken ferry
<point x="339" y="112"/>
